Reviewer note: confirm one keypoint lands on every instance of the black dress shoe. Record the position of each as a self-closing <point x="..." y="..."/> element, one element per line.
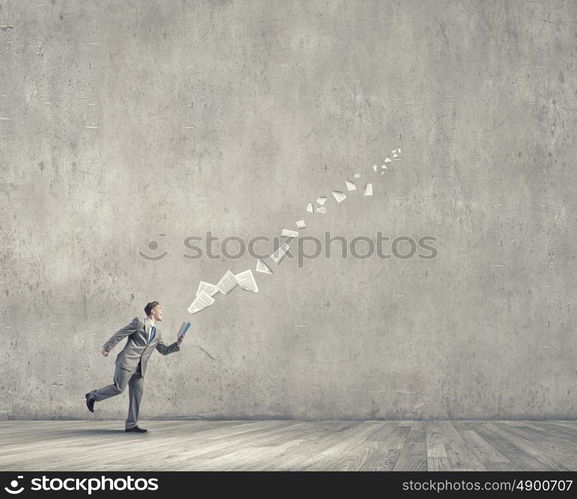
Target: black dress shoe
<point x="89" y="402"/>
<point x="137" y="429"/>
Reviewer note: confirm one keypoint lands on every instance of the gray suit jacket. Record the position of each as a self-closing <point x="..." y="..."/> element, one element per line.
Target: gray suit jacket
<point x="137" y="347"/>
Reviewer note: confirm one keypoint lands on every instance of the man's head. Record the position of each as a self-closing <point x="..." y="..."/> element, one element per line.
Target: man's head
<point x="153" y="311"/>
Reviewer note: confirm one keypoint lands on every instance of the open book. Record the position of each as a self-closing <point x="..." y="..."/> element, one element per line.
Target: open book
<point x="183" y="329"/>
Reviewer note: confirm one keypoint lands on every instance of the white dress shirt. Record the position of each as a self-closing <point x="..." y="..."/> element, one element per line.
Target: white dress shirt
<point x="152" y="324"/>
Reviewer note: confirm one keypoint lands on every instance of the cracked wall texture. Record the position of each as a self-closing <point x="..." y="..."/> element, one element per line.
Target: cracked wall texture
<point x="122" y="121"/>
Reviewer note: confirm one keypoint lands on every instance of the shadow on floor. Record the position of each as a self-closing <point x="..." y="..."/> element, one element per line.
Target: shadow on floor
<point x="99" y="431"/>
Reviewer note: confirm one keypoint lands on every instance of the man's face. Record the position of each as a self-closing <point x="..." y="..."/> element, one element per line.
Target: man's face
<point x="157" y="313"/>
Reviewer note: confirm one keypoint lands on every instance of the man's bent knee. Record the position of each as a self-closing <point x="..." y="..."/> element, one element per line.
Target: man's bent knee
<point x="118" y="389"/>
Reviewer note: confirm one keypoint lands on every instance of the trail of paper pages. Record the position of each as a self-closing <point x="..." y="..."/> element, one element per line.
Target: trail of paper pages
<point x="245" y="280"/>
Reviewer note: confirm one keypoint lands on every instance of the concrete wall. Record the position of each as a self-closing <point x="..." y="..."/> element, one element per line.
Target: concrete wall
<point x="124" y="120"/>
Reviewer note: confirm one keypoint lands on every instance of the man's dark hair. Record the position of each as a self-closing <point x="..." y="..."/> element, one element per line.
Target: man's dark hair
<point x="149" y="307"/>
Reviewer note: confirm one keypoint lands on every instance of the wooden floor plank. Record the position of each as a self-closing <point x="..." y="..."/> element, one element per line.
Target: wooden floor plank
<point x="552" y="427"/>
<point x="562" y="452"/>
<point x="276" y="445"/>
<point x="278" y="455"/>
<point x="413" y="455"/>
<point x="526" y="443"/>
<point x="459" y="454"/>
<point x="389" y="450"/>
<point x="510" y="446"/>
<point x="176" y="448"/>
<point x="318" y="438"/>
<point x="347" y="453"/>
<point x="379" y="451"/>
<point x="484" y="451"/>
<point x="436" y="452"/>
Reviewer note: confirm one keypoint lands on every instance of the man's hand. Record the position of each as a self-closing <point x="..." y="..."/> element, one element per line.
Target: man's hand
<point x="179" y="340"/>
<point x="105" y="353"/>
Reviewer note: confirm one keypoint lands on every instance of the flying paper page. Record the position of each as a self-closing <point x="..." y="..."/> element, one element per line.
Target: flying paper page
<point x="202" y="301"/>
<point x="207" y="287"/>
<point x="247" y="281"/>
<point x="279" y="254"/>
<point x="351" y="186"/>
<point x="369" y="190"/>
<point x="301" y="224"/>
<point x="339" y="196"/>
<point x="321" y="200"/>
<point x="322" y="210"/>
<point x="289" y="233"/>
<point x="227" y="283"/>
<point x="263" y="267"/>
<point x="310" y="207"/>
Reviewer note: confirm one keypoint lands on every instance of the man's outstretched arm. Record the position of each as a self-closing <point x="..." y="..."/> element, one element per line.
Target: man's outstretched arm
<point x="121" y="333"/>
<point x="166" y="349"/>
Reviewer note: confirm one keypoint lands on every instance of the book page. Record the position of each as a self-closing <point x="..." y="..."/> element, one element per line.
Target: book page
<point x="247" y="281"/>
<point x="227" y="283"/>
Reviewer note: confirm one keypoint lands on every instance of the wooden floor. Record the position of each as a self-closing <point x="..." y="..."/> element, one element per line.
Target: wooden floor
<point x="289" y="445"/>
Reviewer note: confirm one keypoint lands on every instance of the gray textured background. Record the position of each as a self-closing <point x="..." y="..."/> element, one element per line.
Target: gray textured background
<point x="230" y="117"/>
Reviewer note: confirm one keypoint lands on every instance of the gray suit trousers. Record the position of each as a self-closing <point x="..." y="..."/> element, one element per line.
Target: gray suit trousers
<point x="135" y="383"/>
